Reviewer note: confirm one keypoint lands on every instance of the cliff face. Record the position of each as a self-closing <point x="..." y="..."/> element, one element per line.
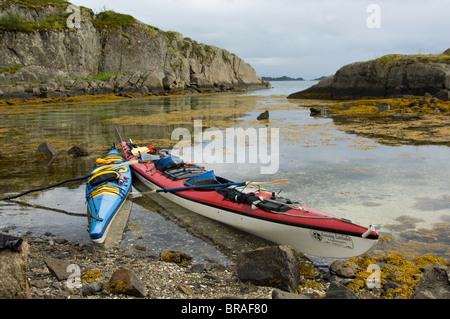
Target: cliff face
<point x="55" y="40"/>
<point x="391" y="75"/>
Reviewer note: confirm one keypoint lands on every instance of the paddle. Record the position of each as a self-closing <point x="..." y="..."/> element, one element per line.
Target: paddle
<point x="176" y="189"/>
<point x="115" y="167"/>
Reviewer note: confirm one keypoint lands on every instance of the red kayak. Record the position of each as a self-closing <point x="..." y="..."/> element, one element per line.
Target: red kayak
<point x="247" y="207"/>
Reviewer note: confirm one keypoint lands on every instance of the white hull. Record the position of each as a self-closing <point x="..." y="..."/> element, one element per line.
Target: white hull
<point x="303" y="240"/>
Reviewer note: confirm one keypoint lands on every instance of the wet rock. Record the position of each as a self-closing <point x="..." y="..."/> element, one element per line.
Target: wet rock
<point x="47" y="149"/>
<point x="345" y="269"/>
<point x="280" y="294"/>
<point x="13" y="278"/>
<point x="314" y="111"/>
<point x="198" y="268"/>
<point x="443" y="95"/>
<point x="58" y="267"/>
<point x="434" y="284"/>
<point x="263" y="116"/>
<point x="339" y="291"/>
<point x="175" y="257"/>
<point x="274" y="266"/>
<point x="91" y="288"/>
<point x="126" y="282"/>
<point x="78" y="151"/>
<point x="382" y="107"/>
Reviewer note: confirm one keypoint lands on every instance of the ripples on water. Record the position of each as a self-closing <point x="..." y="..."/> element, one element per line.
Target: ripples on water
<point x="402" y="190"/>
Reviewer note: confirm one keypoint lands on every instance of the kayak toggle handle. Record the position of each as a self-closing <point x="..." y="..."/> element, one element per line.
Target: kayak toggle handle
<point x="369" y="231"/>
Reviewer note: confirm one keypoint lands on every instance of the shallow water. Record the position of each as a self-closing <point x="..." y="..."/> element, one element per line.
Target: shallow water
<point x="402" y="190"/>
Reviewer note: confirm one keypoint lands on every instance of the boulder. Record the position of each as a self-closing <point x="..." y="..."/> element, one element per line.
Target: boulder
<point x="339" y="291"/>
<point x="126" y="282"/>
<point x="58" y="268"/>
<point x="14" y="283"/>
<point x="47" y="149"/>
<point x="434" y="284"/>
<point x="280" y="294"/>
<point x="274" y="266"/>
<point x="263" y="116"/>
<point x="345" y="269"/>
<point x="78" y="151"/>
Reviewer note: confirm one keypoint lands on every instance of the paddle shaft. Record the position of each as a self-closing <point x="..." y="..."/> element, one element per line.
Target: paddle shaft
<point x="115" y="167"/>
<point x="176" y="189"/>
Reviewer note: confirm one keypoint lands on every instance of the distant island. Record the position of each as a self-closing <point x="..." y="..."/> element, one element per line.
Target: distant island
<point x="281" y="78"/>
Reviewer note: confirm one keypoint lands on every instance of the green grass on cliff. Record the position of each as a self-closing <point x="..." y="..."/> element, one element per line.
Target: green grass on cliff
<point x="15" y="23"/>
<point x="111" y="19"/>
<point x="35" y="4"/>
<point x="413" y="58"/>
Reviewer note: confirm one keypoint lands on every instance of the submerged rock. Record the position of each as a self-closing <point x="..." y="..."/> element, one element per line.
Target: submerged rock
<point x="47" y="150"/>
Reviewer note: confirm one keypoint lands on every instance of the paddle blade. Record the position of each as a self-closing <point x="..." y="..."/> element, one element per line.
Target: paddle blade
<point x="144" y="193"/>
<point x="281" y="181"/>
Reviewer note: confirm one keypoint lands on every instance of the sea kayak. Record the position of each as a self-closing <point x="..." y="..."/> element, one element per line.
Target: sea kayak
<point x="247" y="207"/>
<point x="106" y="191"/>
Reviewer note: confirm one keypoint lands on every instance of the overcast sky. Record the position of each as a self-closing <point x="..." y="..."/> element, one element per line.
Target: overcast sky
<point x="298" y="38"/>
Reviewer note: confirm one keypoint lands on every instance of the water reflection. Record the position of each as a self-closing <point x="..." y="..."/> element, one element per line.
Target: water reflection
<point x="339" y="173"/>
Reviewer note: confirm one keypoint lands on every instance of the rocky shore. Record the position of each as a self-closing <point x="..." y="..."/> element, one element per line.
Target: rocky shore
<point x="58" y="269"/>
<point x="393" y="75"/>
<point x="136" y="85"/>
<point x="45" y="55"/>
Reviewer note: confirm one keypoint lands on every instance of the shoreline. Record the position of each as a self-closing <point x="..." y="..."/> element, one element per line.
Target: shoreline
<point x="174" y="276"/>
<point x="406" y="120"/>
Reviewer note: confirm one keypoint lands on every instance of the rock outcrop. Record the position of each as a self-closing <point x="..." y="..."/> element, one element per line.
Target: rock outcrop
<point x="53" y="41"/>
<point x="388" y="76"/>
<point x="13" y="274"/>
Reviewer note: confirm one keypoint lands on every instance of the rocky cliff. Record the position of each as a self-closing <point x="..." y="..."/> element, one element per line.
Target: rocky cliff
<point x="388" y="76"/>
<point x="53" y="41"/>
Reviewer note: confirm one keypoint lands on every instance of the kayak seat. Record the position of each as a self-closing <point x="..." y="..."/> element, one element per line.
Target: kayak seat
<point x="208" y="178"/>
<point x="183" y="172"/>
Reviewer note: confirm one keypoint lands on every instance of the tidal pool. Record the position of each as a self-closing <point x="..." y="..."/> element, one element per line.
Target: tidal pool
<point x="402" y="190"/>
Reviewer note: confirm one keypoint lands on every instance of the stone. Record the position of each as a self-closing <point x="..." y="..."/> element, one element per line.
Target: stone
<point x="339" y="291"/>
<point x="126" y="282"/>
<point x="263" y="116"/>
<point x="280" y="294"/>
<point x="443" y="95"/>
<point x="78" y="151"/>
<point x="47" y="149"/>
<point x="345" y="269"/>
<point x="434" y="284"/>
<point x="58" y="268"/>
<point x="185" y="289"/>
<point x="274" y="266"/>
<point x="14" y="282"/>
<point x="91" y="288"/>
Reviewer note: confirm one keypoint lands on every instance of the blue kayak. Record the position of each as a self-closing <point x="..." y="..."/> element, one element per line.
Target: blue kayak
<point x="106" y="191"/>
